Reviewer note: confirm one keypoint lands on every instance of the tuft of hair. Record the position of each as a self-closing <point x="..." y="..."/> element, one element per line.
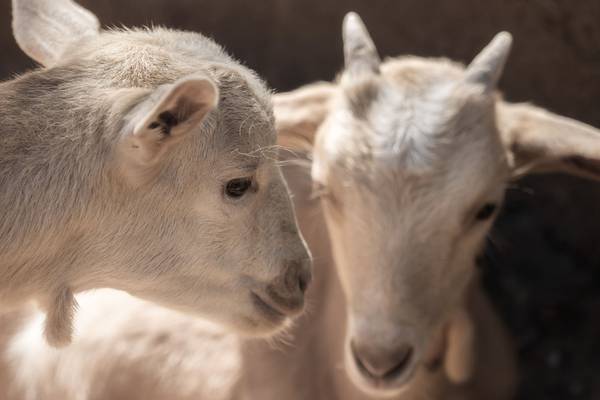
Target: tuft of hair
<point x="58" y="325"/>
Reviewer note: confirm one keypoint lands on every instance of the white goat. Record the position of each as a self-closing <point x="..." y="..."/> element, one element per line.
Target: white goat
<point x="136" y="160"/>
<point x="408" y="295"/>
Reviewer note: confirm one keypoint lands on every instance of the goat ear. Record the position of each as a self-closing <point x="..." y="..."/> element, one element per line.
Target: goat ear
<point x="298" y="114"/>
<point x="360" y="54"/>
<point x="538" y="141"/>
<point x="45" y="28"/>
<point x="459" y="361"/>
<point x="487" y="67"/>
<point x="167" y="115"/>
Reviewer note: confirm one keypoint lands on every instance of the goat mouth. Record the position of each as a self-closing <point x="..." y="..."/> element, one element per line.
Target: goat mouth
<point x="267" y="309"/>
<point x="389" y="376"/>
<point x="392" y="383"/>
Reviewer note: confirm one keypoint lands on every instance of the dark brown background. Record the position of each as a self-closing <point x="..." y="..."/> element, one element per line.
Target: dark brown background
<point x="544" y="269"/>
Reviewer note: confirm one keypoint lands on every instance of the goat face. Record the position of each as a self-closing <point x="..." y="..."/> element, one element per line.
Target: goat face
<point x="411" y="170"/>
<point x="171" y="190"/>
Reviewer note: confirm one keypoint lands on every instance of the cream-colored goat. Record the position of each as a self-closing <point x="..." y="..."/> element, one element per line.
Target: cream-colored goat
<point x="449" y="162"/>
<point x="135" y="160"/>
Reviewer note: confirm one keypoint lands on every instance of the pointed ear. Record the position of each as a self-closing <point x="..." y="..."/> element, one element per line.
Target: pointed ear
<point x="360" y="54"/>
<point x="166" y="116"/>
<point x="539" y="141"/>
<point x="487" y="67"/>
<point x="299" y="113"/>
<point x="45" y="28"/>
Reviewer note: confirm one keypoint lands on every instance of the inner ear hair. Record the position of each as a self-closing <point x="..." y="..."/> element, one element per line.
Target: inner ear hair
<point x="185" y="102"/>
<point x="165" y="116"/>
<point x="60" y="310"/>
<point x="166" y="121"/>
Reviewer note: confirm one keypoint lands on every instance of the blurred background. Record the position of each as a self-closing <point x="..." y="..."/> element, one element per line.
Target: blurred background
<point x="542" y="264"/>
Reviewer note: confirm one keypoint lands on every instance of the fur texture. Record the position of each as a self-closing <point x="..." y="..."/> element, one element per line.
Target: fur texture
<point x="114" y="163"/>
<point x="467" y="354"/>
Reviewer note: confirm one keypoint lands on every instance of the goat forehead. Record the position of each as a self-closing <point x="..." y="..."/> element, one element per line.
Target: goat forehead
<point x="400" y="191"/>
<point x="426" y="135"/>
<point x="417" y="116"/>
<point x="147" y="58"/>
<point x="150" y="57"/>
<point x="401" y="197"/>
<point x="245" y="135"/>
<point x="410" y="128"/>
<point x="146" y="43"/>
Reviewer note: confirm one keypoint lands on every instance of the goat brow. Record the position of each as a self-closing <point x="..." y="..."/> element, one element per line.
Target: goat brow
<point x="261" y="152"/>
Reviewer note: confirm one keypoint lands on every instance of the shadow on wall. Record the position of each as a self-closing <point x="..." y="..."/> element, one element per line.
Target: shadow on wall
<point x="544" y="272"/>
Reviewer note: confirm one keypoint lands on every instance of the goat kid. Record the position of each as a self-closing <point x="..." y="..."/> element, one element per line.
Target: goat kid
<point x="140" y="160"/>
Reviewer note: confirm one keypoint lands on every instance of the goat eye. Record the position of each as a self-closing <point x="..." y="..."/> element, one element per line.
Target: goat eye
<point x="486" y="211"/>
<point x="236" y="188"/>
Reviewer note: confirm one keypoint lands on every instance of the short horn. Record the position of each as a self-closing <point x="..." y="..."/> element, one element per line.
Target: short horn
<point x="487" y="67"/>
<point x="360" y="54"/>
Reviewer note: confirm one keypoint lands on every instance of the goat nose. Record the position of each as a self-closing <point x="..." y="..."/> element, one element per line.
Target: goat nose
<point x="297" y="276"/>
<point x="287" y="291"/>
<point x="381" y="362"/>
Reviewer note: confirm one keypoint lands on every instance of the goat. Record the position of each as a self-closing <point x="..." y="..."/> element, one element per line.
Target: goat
<point x="376" y="295"/>
<point x="138" y="159"/>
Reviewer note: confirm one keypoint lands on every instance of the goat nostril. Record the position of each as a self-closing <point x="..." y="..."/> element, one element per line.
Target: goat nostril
<point x="304" y="279"/>
<point x="382" y="363"/>
<point x="297" y="277"/>
<point x="302" y="284"/>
